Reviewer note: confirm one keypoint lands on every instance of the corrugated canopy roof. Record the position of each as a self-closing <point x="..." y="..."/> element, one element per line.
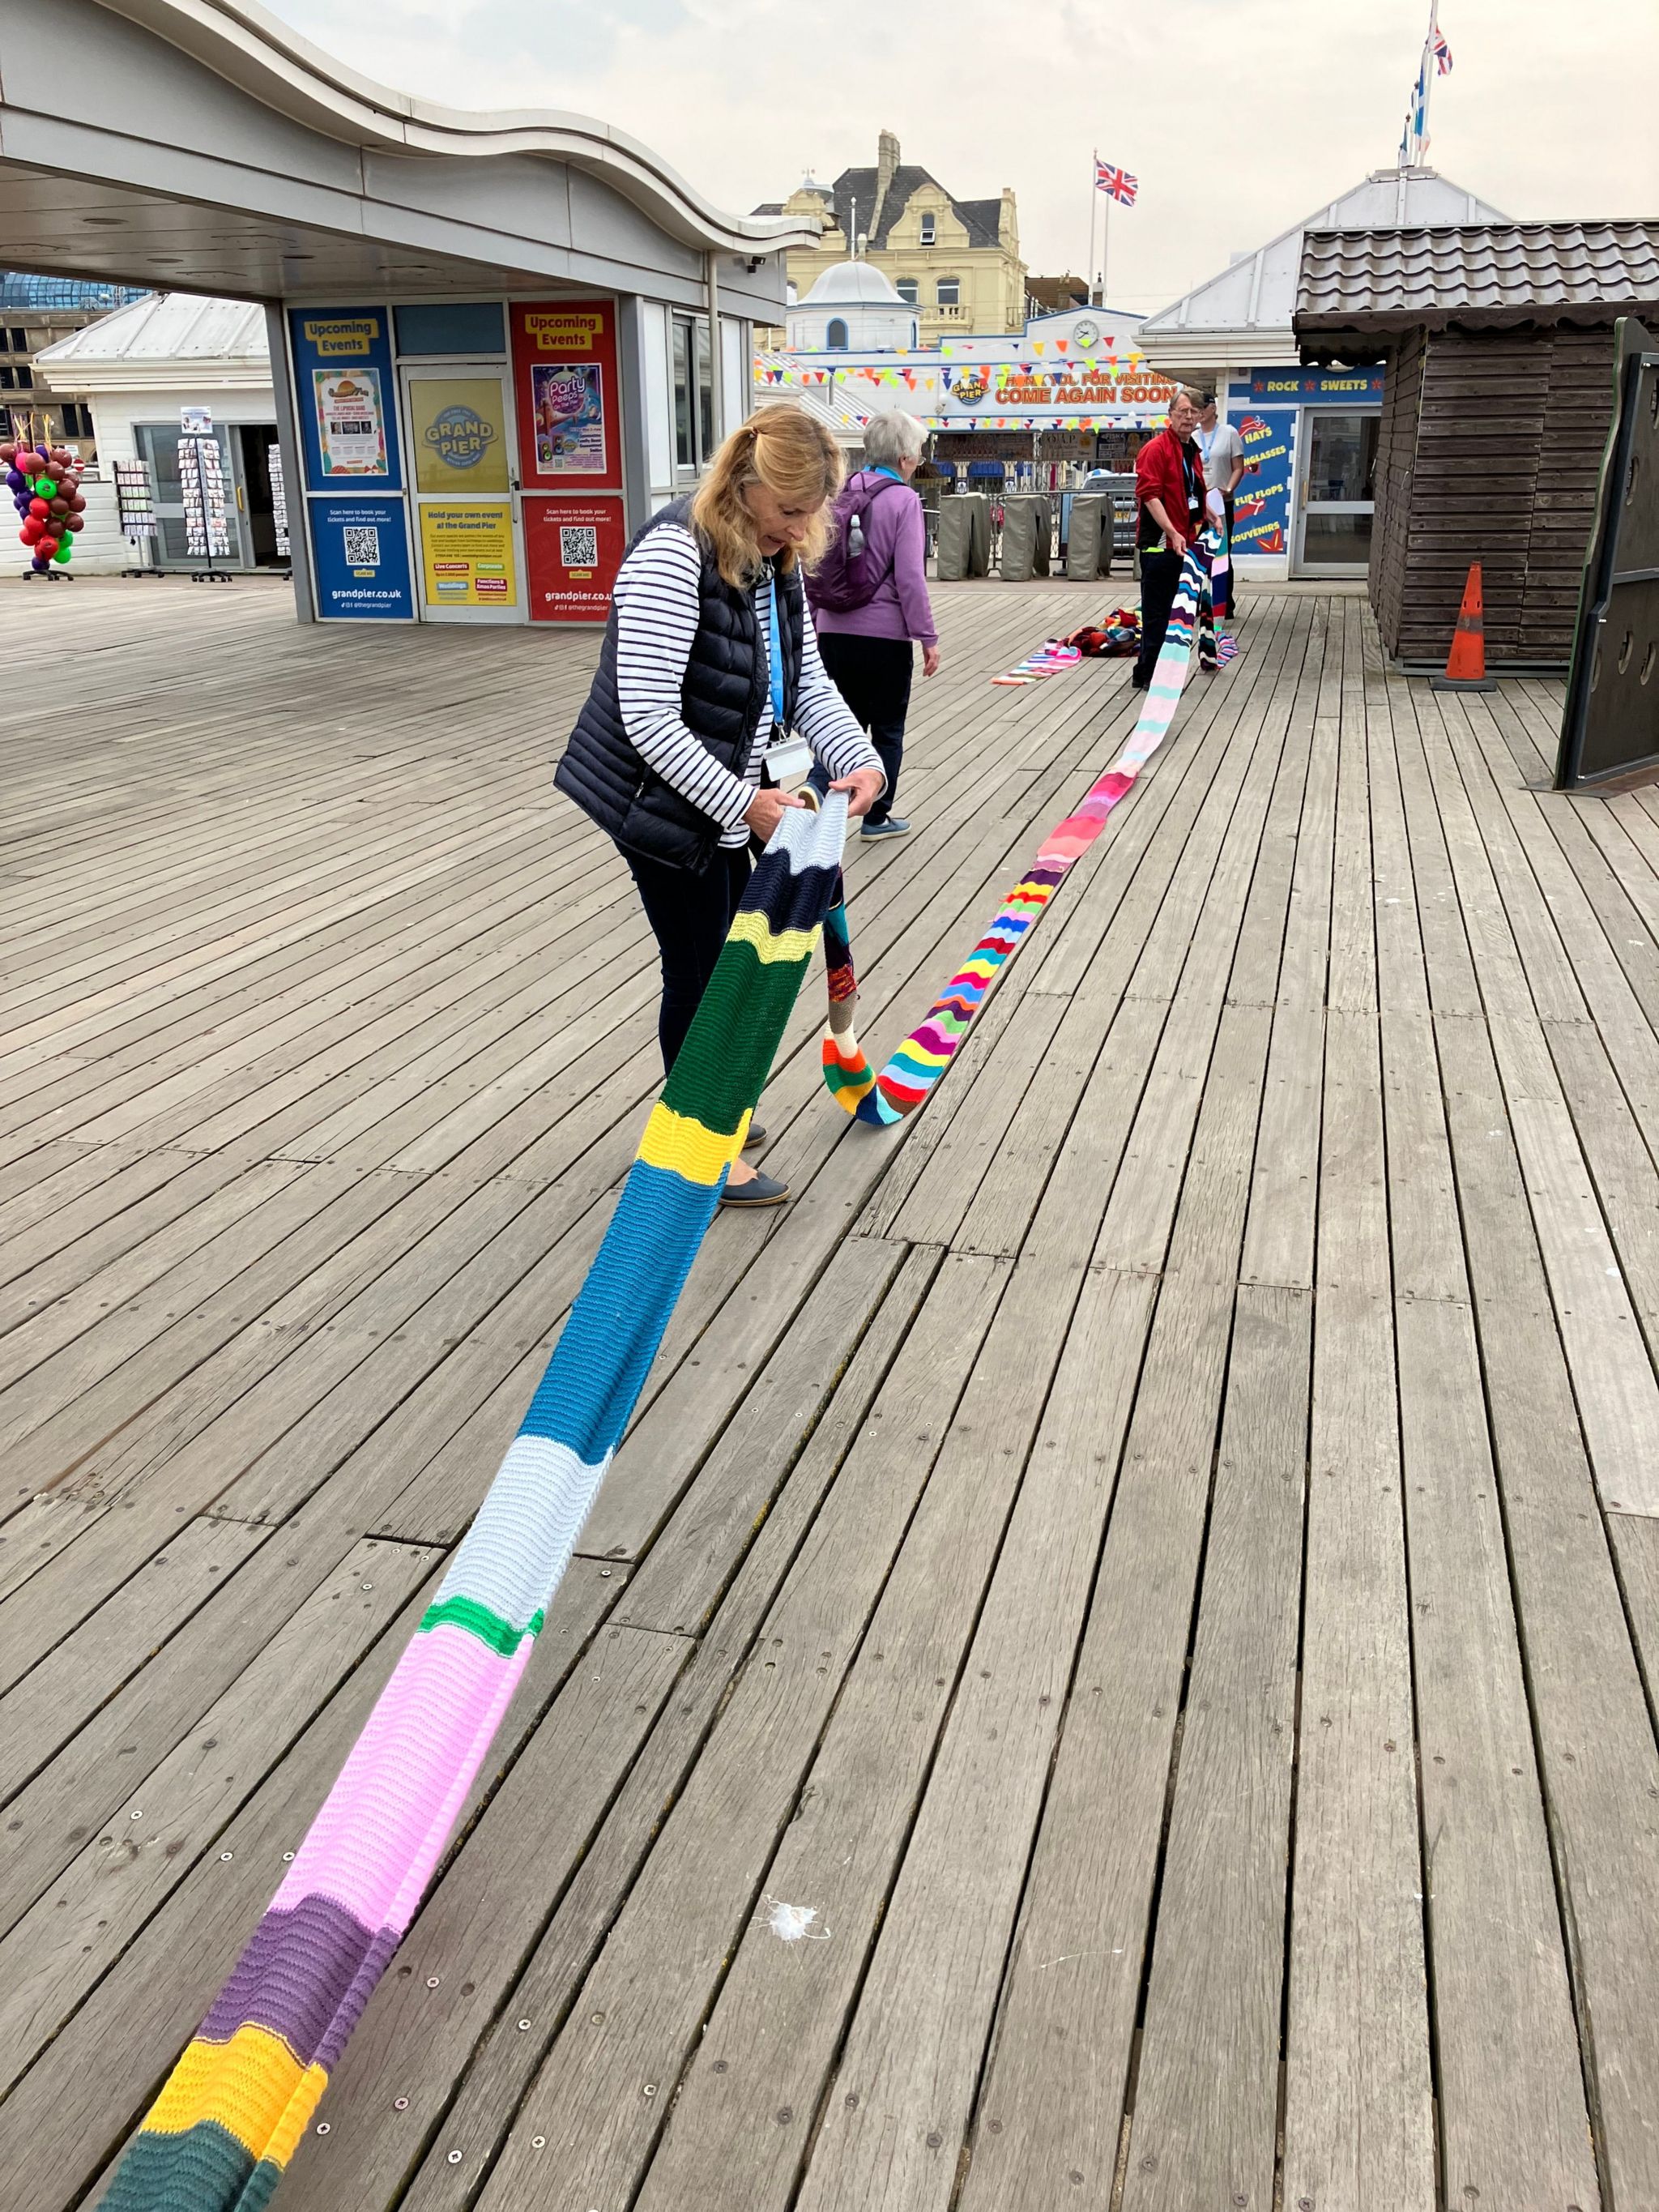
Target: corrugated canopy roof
<point x="1477" y="274"/>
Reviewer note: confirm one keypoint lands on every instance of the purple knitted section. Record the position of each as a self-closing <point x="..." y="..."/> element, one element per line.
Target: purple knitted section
<point x="283" y="1981"/>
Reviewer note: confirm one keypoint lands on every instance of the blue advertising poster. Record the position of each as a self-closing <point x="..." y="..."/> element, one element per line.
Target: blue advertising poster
<point x="1262" y="505"/>
<point x="345" y="398"/>
<point x="360" y="556"/>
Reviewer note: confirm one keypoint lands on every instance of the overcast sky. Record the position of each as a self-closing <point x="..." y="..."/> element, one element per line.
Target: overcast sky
<point x="1549" y="110"/>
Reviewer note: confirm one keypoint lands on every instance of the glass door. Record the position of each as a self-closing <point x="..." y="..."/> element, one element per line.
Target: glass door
<point x="1339" y="491"/>
<point x="465" y="473"/>
<point x="157" y="444"/>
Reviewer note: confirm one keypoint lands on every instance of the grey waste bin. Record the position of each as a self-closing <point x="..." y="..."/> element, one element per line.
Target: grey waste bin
<point x="1088" y="547"/>
<point x="1027" y="527"/>
<point x="964" y="538"/>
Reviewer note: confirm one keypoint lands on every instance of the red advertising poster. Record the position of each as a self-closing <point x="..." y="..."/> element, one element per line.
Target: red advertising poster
<point x="564" y="376"/>
<point x="572" y="549"/>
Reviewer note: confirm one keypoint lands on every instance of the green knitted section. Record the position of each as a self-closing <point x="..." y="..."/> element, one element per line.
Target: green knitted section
<point x="725" y="1060"/>
<point x="479" y="1620"/>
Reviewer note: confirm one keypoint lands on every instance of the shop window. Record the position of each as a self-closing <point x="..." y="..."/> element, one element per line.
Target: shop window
<point x="835" y="337"/>
<point x="930" y="229"/>
<point x="77" y="420"/>
<point x="908" y="290"/>
<point x="693" y="370"/>
<point x="948" y="292"/>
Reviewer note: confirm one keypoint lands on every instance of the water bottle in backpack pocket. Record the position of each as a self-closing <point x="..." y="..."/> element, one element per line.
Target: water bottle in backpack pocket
<point x="848" y="576"/>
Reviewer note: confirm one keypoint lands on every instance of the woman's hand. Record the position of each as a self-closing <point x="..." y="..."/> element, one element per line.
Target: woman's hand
<point x="930" y="660"/>
<point x="765" y="811"/>
<point x="863" y="788"/>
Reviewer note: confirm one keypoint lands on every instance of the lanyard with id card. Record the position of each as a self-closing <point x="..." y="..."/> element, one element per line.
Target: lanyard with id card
<point x="786" y="755"/>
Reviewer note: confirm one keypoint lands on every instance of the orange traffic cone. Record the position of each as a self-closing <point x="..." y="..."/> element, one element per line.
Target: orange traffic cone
<point x="1466" y="664"/>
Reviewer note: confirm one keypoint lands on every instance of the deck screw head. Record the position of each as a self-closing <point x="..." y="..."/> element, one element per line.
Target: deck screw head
<point x="432" y="1980"/>
<point x="400" y="2103"/>
<point x="225" y="1857"/>
<point x="323" y="2127"/>
<point x="650" y="2088"/>
<point x="454" y="2158"/>
<point x="287" y="1856"/>
<point x="523" y="2025"/>
<point x="538" y="2142"/>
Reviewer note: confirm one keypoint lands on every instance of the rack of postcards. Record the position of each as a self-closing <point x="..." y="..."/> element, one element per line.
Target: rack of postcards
<point x="135" y="510"/>
<point x="202" y="485"/>
<point x="278" y="502"/>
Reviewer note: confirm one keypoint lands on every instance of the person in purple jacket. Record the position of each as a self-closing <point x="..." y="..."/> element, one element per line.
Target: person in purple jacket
<point x="867" y="651"/>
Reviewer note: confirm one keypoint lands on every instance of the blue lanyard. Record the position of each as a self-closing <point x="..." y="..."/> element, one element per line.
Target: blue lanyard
<point x="880" y="470"/>
<point x="777" y="650"/>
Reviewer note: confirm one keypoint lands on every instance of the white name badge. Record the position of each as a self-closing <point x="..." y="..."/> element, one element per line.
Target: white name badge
<point x="788" y="758"/>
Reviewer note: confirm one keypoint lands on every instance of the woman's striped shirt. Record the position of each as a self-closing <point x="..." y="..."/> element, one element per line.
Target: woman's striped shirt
<point x="659" y="596"/>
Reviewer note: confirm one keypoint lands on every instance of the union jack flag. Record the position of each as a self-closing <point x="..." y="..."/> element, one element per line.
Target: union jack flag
<point x="1441" y="51"/>
<point x="1116" y="183"/>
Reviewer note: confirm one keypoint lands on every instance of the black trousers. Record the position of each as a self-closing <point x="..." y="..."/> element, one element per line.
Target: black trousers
<point x="1160" y="573"/>
<point x="689" y="915"/>
<point x="872" y="674"/>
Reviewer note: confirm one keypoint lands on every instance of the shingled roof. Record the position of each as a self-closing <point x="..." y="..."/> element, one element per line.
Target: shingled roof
<point x="1479" y="276"/>
<point x="979" y="218"/>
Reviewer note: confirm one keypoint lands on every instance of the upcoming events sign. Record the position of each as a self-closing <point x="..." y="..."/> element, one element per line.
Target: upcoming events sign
<point x="564" y="373"/>
<point x="342" y="375"/>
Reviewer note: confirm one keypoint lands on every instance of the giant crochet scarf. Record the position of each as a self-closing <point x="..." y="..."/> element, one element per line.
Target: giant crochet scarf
<point x="229" y="2119"/>
<point x="924" y="1054"/>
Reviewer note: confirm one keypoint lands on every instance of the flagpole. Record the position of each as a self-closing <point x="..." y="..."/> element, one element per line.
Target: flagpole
<point x="1426" y="79"/>
<point x="1105" y="242"/>
<point x="1094" y="196"/>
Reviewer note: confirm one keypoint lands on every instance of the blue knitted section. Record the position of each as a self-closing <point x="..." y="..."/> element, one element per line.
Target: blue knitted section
<point x="600" y="1362"/>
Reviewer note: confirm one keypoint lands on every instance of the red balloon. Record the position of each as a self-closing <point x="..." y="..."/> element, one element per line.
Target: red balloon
<point x="39" y="505"/>
<point x="31" y="529"/>
<point x="45" y="543"/>
<point x="73" y="522"/>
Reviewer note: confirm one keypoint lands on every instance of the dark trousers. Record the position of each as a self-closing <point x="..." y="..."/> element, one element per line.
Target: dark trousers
<point x="872" y="674"/>
<point x="1160" y="573"/>
<point x="689" y="915"/>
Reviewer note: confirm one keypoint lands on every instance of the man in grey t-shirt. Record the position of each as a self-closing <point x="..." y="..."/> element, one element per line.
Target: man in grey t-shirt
<point x="1223" y="463"/>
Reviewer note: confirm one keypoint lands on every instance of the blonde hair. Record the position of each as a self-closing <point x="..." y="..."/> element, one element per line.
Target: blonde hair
<point x="794" y="456"/>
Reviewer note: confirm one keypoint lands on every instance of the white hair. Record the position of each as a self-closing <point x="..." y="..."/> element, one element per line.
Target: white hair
<point x="891" y="437"/>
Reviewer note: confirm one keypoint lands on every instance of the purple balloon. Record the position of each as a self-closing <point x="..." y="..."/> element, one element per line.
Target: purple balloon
<point x="15" y="480"/>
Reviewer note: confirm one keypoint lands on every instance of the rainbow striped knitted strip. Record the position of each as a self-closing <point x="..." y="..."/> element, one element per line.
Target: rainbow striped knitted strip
<point x="917" y="1066"/>
<point x="223" y="2129"/>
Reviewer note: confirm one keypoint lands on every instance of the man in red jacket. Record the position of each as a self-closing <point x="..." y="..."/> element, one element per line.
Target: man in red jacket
<point x="1168" y="515"/>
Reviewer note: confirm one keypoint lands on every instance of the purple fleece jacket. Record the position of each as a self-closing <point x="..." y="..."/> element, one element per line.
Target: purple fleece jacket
<point x="897" y="539"/>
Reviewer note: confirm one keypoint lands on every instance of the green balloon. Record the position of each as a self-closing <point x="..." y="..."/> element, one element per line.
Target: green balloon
<point x="47" y="487"/>
<point x="66" y="546"/>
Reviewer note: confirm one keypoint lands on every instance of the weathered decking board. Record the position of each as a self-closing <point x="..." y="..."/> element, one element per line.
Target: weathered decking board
<point x="1160" y="1554"/>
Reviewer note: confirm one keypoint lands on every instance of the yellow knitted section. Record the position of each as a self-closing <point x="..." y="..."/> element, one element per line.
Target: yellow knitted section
<point x="685" y="1148"/>
<point x="253" y="2086"/>
<point x="752" y="929"/>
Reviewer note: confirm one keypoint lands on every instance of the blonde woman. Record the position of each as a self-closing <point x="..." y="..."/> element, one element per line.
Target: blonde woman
<point x="709" y="661"/>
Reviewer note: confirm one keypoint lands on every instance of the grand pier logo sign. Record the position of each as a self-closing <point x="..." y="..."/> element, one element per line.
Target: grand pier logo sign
<point x="460" y="437"/>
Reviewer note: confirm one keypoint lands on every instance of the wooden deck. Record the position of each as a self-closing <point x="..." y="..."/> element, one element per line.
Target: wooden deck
<point x="1160" y="1555"/>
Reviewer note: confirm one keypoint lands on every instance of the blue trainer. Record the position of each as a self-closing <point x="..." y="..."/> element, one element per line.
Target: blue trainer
<point x="892" y="827"/>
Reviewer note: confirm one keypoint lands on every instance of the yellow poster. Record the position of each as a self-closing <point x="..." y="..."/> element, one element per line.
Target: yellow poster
<point x="466" y="553"/>
<point x="457" y="427"/>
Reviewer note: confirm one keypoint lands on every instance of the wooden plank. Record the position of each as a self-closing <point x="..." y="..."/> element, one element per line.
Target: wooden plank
<point x="1207" y="2091"/>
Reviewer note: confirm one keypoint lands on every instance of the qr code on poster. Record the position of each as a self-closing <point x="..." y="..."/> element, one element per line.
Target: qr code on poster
<point x="362" y="547"/>
<point x="579" y="548"/>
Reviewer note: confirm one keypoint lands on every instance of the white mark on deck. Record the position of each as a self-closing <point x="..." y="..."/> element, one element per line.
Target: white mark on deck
<point x="793" y="1923"/>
